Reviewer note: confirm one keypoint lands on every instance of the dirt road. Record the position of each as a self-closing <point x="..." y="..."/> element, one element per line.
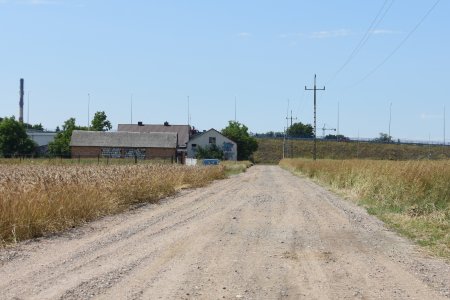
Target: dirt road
<point x="264" y="234"/>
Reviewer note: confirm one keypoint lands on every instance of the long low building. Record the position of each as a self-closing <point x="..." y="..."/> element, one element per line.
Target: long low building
<point x="123" y="144"/>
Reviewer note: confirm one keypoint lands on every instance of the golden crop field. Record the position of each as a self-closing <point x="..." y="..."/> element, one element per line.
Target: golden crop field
<point x="36" y="199"/>
<point x="411" y="196"/>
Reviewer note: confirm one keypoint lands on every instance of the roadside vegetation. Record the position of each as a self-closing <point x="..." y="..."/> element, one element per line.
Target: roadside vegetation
<point x="236" y="167"/>
<point x="412" y="197"/>
<point x="271" y="150"/>
<point x="37" y="199"/>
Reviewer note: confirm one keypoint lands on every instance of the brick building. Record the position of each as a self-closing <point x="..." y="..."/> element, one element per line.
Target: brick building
<point x="123" y="144"/>
<point x="184" y="133"/>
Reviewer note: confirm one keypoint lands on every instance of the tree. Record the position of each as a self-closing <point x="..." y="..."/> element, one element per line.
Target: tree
<point x="14" y="139"/>
<point x="211" y="151"/>
<point x="238" y="133"/>
<point x="300" y="130"/>
<point x="35" y="126"/>
<point x="100" y="122"/>
<point x="338" y="137"/>
<point x="383" y="138"/>
<point x="61" y="144"/>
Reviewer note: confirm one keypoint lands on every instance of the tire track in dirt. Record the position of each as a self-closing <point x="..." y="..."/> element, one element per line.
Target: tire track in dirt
<point x="264" y="234"/>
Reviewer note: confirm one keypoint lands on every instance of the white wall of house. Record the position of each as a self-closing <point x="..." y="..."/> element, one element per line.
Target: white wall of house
<point x="41" y="138"/>
<point x="209" y="137"/>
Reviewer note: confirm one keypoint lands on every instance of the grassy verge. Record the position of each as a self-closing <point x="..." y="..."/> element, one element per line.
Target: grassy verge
<point x="236" y="167"/>
<point x="412" y="197"/>
<point x="37" y="199"/>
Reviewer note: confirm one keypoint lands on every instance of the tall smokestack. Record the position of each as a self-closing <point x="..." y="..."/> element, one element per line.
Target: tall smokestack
<point x="21" y="101"/>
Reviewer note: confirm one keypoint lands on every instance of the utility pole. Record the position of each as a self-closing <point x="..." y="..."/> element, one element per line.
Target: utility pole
<point x="324" y="128"/>
<point x="390" y="118"/>
<point x="444" y="125"/>
<point x="131" y="109"/>
<point x="234" y="108"/>
<point x="188" y="112"/>
<point x="292" y="145"/>
<point x="337" y="133"/>
<point x="89" y="103"/>
<point x="285" y="130"/>
<point x="21" y="93"/>
<point x="315" y="89"/>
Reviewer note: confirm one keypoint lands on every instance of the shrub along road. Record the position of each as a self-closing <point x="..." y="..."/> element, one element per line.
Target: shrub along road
<point x="263" y="234"/>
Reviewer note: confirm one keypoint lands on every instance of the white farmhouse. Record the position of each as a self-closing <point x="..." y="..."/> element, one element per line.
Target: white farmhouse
<point x="210" y="137"/>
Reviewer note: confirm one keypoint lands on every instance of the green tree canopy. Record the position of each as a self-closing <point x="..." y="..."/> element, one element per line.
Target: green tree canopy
<point x="338" y="137"/>
<point x="100" y="122"/>
<point x="14" y="139"/>
<point x="384" y="138"/>
<point x="238" y="133"/>
<point x="35" y="126"/>
<point x="300" y="130"/>
<point x="61" y="144"/>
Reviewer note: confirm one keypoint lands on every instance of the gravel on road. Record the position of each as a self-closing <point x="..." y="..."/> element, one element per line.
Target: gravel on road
<point x="263" y="234"/>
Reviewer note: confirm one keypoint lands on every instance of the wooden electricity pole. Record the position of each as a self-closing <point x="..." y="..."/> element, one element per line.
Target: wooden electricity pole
<point x="315" y="89"/>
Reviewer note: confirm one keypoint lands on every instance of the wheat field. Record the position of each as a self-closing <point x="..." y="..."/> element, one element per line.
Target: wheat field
<point x="37" y="199"/>
<point x="411" y="196"/>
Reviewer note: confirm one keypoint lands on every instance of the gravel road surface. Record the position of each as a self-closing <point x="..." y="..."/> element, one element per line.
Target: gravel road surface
<point x="263" y="234"/>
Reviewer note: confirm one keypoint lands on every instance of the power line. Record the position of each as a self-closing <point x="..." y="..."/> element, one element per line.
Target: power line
<point x="399" y="45"/>
<point x="375" y="22"/>
<point x="299" y="109"/>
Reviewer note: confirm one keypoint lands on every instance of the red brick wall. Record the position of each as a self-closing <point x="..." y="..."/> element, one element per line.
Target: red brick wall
<point x="85" y="151"/>
<point x="159" y="152"/>
<point x="96" y="151"/>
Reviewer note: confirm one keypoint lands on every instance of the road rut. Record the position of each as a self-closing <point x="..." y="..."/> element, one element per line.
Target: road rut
<point x="263" y="234"/>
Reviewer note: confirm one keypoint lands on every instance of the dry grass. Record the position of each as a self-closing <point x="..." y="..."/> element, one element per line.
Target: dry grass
<point x="36" y="199"/>
<point x="236" y="167"/>
<point x="411" y="196"/>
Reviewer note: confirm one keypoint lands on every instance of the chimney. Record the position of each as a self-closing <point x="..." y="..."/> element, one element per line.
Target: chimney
<point x="21" y="101"/>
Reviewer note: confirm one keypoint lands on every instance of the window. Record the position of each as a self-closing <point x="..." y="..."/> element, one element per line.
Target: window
<point x="194" y="146"/>
<point x="212" y="140"/>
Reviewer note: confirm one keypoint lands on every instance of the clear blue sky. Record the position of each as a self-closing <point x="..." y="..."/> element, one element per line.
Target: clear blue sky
<point x="262" y="52"/>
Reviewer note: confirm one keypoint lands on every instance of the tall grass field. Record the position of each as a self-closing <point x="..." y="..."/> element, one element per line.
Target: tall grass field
<point x="41" y="198"/>
<point x="271" y="150"/>
<point x="412" y="197"/>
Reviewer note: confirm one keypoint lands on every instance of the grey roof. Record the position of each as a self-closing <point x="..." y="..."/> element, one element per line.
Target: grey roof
<point x="182" y="130"/>
<point x="193" y="138"/>
<point x="123" y="139"/>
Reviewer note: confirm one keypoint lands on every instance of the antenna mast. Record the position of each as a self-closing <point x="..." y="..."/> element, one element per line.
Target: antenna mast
<point x="28" y="109"/>
<point x="131" y="109"/>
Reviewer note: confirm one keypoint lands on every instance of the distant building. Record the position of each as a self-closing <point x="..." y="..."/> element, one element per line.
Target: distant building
<point x="184" y="133"/>
<point x="123" y="144"/>
<point x="208" y="138"/>
<point x="42" y="139"/>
